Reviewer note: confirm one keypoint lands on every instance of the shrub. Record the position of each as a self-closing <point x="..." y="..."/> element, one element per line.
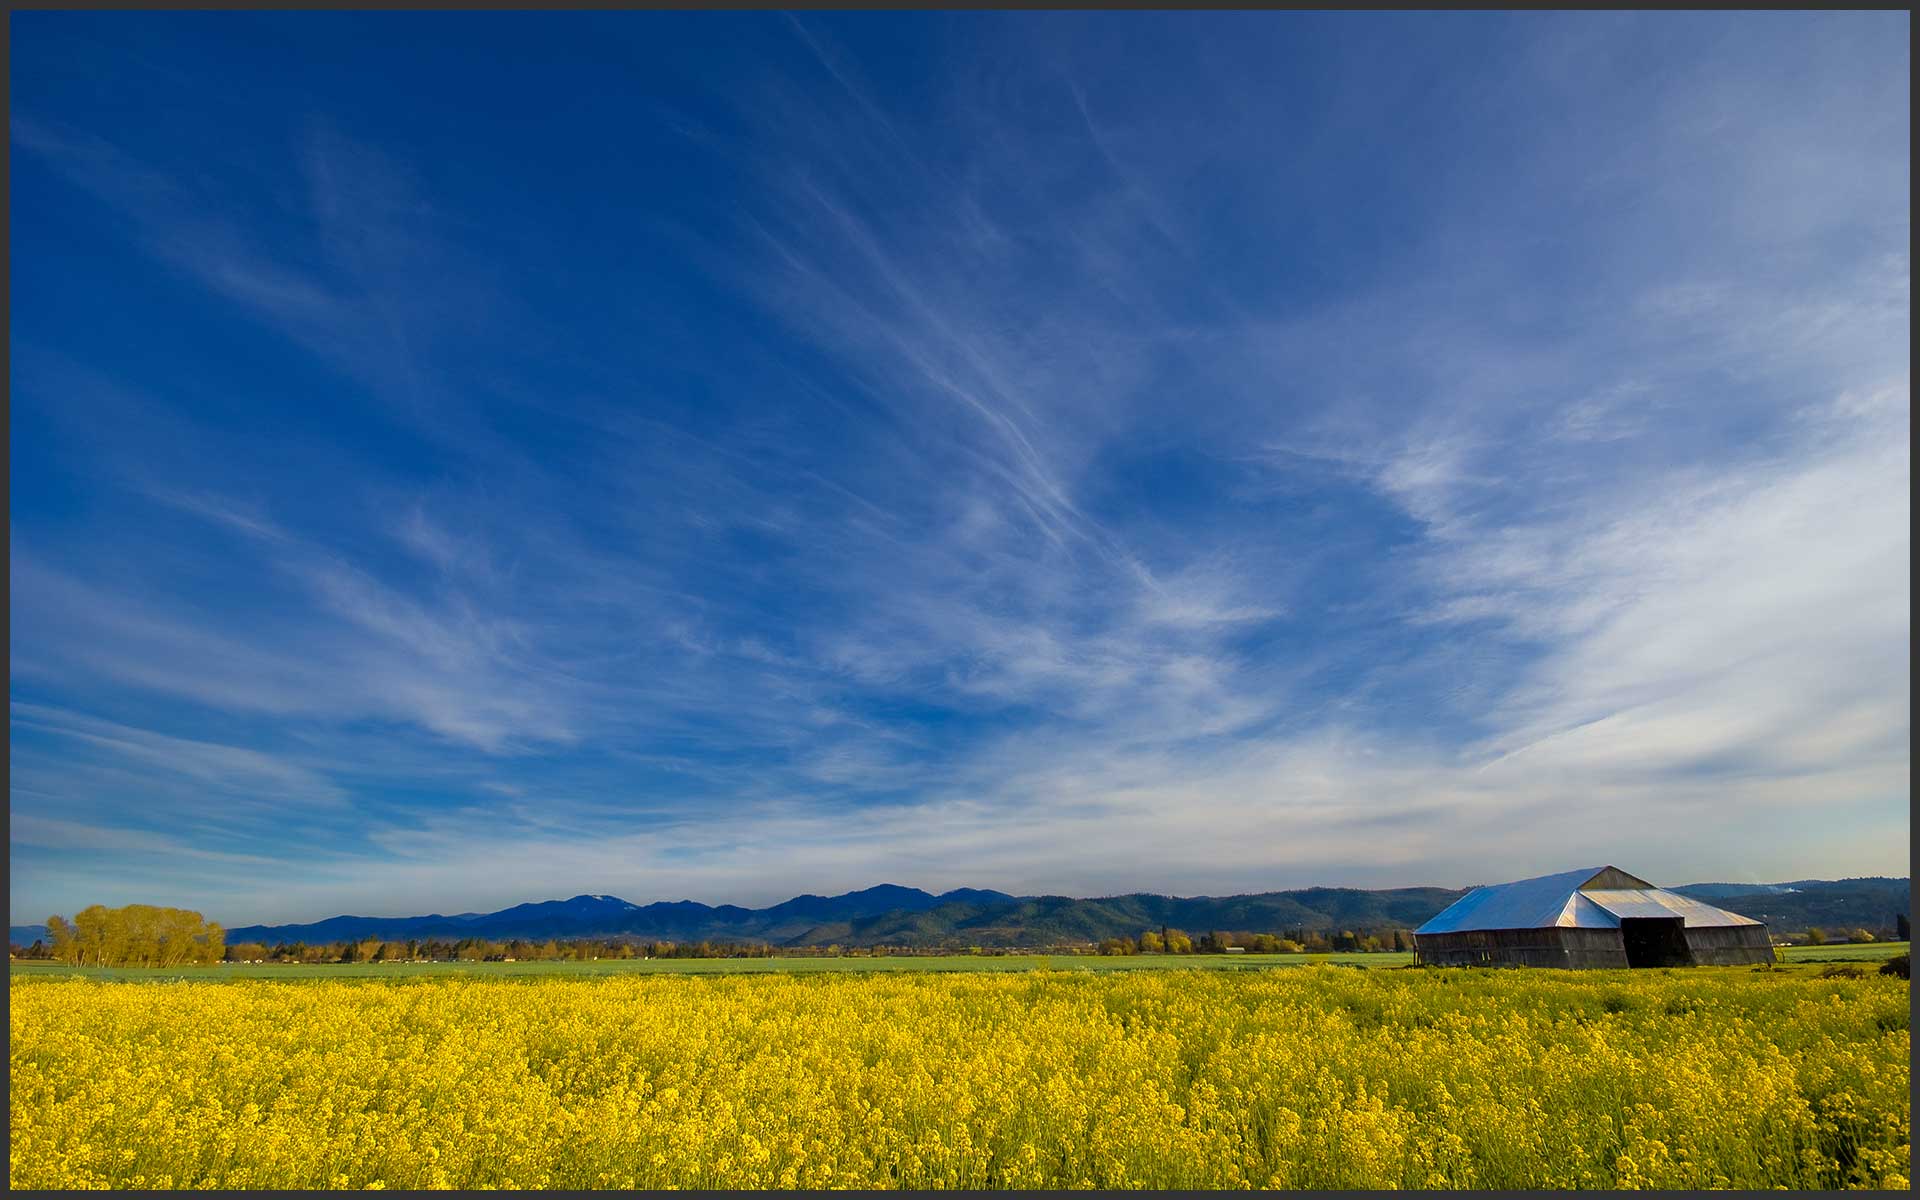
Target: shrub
<point x="1896" y="966"/>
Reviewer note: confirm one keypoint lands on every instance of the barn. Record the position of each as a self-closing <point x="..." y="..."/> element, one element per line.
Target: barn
<point x="1593" y="917"/>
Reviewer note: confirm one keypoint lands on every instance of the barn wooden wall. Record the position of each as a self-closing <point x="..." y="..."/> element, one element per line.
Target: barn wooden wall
<point x="1579" y="949"/>
<point x="1730" y="945"/>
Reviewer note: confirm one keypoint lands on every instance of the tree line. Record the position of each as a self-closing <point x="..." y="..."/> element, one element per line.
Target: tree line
<point x="1167" y="940"/>
<point x="143" y="935"/>
<point x="1817" y="936"/>
<point x="124" y="943"/>
<point x="138" y="935"/>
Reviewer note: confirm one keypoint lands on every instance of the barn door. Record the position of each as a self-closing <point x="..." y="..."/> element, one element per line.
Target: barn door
<point x="1655" y="942"/>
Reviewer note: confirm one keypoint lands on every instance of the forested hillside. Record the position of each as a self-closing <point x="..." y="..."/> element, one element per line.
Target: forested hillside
<point x="1836" y="905"/>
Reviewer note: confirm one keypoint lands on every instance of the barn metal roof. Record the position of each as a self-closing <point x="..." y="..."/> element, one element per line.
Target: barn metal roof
<point x="1565" y="900"/>
<point x="1659" y="902"/>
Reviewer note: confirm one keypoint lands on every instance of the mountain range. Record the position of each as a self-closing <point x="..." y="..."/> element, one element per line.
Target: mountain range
<point x="903" y="916"/>
<point x="890" y="915"/>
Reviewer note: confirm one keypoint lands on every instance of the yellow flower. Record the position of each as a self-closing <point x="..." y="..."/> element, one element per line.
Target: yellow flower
<point x="1296" y="1078"/>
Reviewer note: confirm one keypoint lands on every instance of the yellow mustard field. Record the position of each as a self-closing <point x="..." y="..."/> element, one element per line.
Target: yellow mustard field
<point x="1314" y="1077"/>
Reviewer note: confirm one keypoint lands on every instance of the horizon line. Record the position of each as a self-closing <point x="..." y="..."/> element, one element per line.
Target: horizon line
<point x="949" y="891"/>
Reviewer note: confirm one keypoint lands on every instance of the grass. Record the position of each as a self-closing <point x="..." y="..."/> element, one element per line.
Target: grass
<point x="719" y="966"/>
<point x="1873" y="952"/>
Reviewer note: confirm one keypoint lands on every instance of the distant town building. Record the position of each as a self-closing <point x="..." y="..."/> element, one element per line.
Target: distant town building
<point x="1593" y="917"/>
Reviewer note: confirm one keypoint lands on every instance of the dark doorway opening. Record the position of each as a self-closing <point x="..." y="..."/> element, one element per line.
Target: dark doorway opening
<point x="1655" y="942"/>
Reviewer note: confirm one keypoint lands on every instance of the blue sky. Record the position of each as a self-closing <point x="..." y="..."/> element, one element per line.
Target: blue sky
<point x="465" y="459"/>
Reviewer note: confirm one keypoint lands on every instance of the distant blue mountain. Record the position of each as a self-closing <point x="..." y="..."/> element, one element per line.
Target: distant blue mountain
<point x="26" y="935"/>
<point x="1720" y="891"/>
<point x="610" y="916"/>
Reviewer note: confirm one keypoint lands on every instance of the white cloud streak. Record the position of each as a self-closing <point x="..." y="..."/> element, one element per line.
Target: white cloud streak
<point x="1585" y="515"/>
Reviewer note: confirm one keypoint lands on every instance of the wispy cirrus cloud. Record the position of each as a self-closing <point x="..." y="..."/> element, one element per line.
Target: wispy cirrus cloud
<point x="231" y="768"/>
<point x="1018" y="476"/>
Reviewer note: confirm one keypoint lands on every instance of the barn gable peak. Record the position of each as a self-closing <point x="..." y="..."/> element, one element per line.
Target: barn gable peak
<point x="1613" y="879"/>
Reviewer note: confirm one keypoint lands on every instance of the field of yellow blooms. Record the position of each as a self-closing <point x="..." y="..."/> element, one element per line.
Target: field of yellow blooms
<point x="1313" y="1077"/>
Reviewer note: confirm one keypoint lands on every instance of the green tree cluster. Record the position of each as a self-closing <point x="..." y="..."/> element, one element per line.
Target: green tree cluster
<point x="1173" y="941"/>
<point x="138" y="935"/>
